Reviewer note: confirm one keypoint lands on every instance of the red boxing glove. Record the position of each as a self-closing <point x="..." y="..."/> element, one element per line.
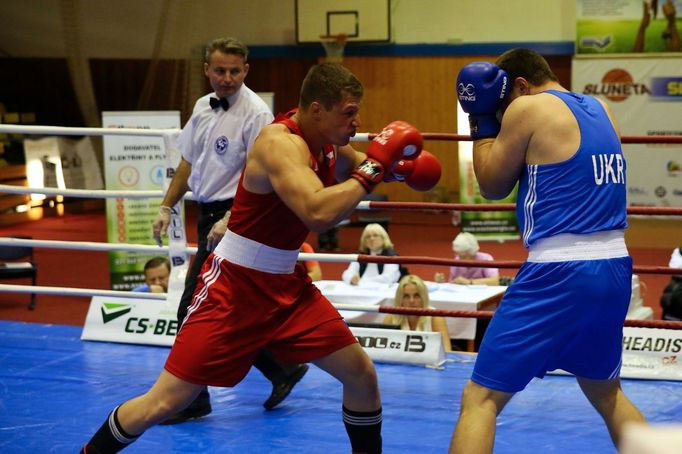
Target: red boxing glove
<point x="398" y="140"/>
<point x="421" y="174"/>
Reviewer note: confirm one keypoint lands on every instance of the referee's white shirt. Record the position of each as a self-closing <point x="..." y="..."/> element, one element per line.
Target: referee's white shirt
<point x="215" y="142"/>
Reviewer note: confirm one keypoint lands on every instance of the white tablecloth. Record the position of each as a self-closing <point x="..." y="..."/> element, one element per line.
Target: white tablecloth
<point x="441" y="296"/>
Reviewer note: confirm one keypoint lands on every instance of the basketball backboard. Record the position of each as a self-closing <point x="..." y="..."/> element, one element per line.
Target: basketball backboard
<point x="359" y="20"/>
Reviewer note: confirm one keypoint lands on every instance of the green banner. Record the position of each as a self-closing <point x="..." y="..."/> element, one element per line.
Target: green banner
<point x="133" y="163"/>
<point x="627" y="26"/>
<point x="492" y="225"/>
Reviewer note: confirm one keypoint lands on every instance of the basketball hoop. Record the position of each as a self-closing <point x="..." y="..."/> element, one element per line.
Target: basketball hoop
<point x="333" y="47"/>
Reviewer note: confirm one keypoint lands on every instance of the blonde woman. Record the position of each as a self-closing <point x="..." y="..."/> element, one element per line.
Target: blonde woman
<point x="373" y="241"/>
<point x="412" y="293"/>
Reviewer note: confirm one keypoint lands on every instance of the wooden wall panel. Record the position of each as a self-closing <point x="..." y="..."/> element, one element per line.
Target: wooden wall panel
<point x="283" y="76"/>
<point x="421" y="91"/>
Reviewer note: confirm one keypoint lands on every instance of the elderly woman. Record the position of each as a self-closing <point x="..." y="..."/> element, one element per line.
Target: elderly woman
<point x="466" y="247"/>
<point x="412" y="293"/>
<point x="374" y="241"/>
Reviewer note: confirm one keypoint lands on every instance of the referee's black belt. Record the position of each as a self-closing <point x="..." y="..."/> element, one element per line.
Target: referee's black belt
<point x="218" y="205"/>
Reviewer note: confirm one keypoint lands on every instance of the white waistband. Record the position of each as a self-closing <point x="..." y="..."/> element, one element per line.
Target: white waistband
<point x="567" y="246"/>
<point x="257" y="256"/>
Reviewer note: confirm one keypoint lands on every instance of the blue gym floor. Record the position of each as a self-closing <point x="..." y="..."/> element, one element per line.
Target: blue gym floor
<point x="55" y="391"/>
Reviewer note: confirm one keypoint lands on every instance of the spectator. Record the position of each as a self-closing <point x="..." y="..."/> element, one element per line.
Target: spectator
<point x="412" y="292"/>
<point x="466" y="247"/>
<point x="156" y="273"/>
<point x="311" y="266"/>
<point x="671" y="299"/>
<point x="374" y="241"/>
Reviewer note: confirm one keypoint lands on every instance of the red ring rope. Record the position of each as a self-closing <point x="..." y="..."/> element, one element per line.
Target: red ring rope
<point x="624" y="139"/>
<point x="413" y="206"/>
<point x="661" y="324"/>
<point x="423" y="260"/>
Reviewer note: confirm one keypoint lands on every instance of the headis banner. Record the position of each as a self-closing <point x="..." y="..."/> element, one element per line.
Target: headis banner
<point x="627" y="26"/>
<point x="645" y="96"/>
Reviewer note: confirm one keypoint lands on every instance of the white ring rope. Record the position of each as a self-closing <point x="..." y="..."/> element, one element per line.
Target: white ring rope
<point x="85" y="193"/>
<point x="127" y="247"/>
<point x="87" y="292"/>
<point x="88" y="193"/>
<point x="71" y="291"/>
<point x="72" y="131"/>
<point x="89" y="245"/>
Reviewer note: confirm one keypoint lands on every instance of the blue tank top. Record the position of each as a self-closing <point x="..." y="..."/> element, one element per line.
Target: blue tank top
<point x="584" y="194"/>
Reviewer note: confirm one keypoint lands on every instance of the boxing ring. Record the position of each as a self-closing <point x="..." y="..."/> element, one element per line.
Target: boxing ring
<point x="55" y="389"/>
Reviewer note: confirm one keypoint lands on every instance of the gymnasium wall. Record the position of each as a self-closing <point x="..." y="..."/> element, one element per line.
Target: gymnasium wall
<point x="131" y="28"/>
<point x="147" y="56"/>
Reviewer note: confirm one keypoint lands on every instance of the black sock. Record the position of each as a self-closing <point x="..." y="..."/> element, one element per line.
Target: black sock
<point x="110" y="438"/>
<point x="364" y="430"/>
<point x="269" y="366"/>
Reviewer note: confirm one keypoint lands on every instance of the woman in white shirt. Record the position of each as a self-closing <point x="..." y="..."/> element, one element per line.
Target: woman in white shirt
<point x="374" y="241"/>
<point x="412" y="293"/>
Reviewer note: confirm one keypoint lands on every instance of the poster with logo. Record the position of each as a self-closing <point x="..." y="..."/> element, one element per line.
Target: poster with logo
<point x="131" y="321"/>
<point x="486" y="225"/>
<point x="627" y="26"/>
<point x="652" y="353"/>
<point x="153" y="322"/>
<point x="133" y="163"/>
<point x="61" y="162"/>
<point x="645" y="96"/>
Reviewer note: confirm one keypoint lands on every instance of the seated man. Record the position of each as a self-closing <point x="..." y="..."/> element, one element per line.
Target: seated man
<point x="156" y="273"/>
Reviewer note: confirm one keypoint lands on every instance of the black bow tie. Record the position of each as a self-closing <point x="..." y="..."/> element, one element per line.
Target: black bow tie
<point x="222" y="102"/>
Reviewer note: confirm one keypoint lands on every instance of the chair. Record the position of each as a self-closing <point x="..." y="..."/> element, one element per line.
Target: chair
<point x="16" y="262"/>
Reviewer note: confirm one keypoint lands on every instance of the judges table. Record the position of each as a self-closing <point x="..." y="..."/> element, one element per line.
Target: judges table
<point x="441" y="296"/>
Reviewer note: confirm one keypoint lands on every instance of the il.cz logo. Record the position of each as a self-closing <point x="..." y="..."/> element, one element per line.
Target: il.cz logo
<point x="617" y="85"/>
<point x="413" y="343"/>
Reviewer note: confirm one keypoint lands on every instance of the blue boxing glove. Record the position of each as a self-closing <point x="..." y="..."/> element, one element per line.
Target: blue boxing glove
<point x="481" y="89"/>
